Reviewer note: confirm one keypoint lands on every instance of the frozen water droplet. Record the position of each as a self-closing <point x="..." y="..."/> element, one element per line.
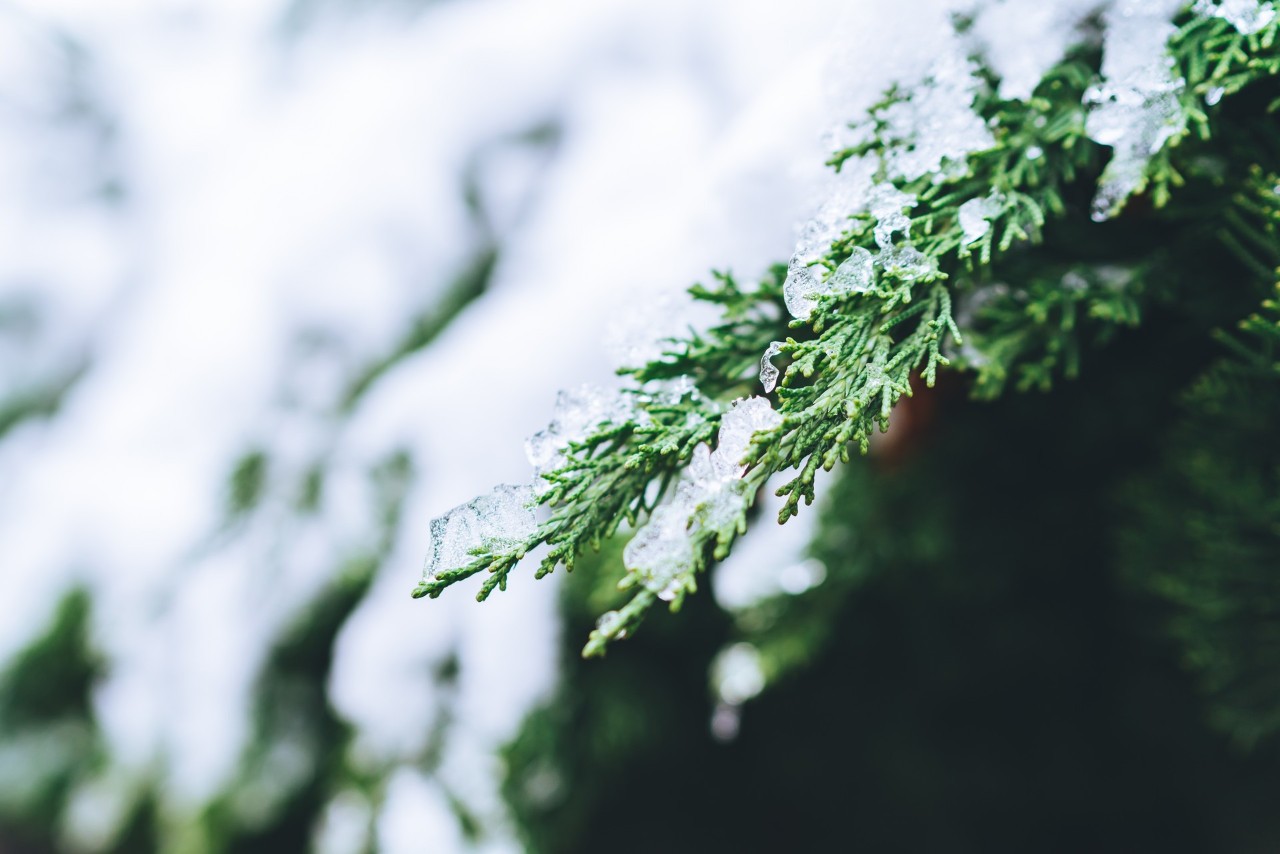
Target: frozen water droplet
<point x="1034" y="152"/>
<point x="855" y="274"/>
<point x="800" y="289"/>
<point x="768" y="373"/>
<point x="737" y="426"/>
<point x="1214" y="95"/>
<point x="906" y="263"/>
<point x="670" y="591"/>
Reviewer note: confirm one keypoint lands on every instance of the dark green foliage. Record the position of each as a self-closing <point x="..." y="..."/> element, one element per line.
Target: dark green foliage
<point x="986" y="679"/>
<point x="1206" y="538"/>
<point x="45" y="700"/>
<point x="1050" y="622"/>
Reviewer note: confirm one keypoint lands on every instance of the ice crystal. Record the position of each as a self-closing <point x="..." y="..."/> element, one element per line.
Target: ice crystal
<point x="975" y="215"/>
<point x="803" y="286"/>
<point x="855" y="274"/>
<point x="886" y="203"/>
<point x="708" y="497"/>
<point x="768" y="373"/>
<point x="1135" y="108"/>
<point x="576" y="414"/>
<point x="800" y="290"/>
<point x="844" y="195"/>
<point x="500" y="520"/>
<point x="907" y="263"/>
<point x="1247" y="16"/>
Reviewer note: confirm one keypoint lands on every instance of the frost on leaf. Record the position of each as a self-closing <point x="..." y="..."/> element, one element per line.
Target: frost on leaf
<point x="576" y="414"/>
<point x="708" y="497"/>
<point x="1135" y="108"/>
<point x="1247" y="16"/>
<point x="495" y="522"/>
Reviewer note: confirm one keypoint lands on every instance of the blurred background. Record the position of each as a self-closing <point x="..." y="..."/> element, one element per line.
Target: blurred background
<point x="281" y="280"/>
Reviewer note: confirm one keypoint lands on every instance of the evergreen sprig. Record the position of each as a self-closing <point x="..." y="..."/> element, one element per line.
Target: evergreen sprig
<point x="857" y="354"/>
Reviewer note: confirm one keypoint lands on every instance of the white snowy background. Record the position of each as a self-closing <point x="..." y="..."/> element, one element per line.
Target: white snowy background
<point x="216" y="215"/>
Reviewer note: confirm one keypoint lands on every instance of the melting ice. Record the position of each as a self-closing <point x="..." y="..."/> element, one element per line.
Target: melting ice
<point x="975" y="216"/>
<point x="708" y="496"/>
<point x="576" y="414"/>
<point x="1135" y="108"/>
<point x="500" y="520"/>
<point x="887" y="203"/>
<point x="768" y="373"/>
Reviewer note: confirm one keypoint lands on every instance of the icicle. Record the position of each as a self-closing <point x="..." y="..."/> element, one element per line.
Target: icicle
<point x="768" y="373"/>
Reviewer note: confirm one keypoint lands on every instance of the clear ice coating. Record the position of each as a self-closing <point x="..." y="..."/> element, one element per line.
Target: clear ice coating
<point x="500" y="520"/>
<point x="844" y="194"/>
<point x="975" y="216"/>
<point x="906" y="263"/>
<point x="800" y="289"/>
<point x="1135" y="108"/>
<point x="576" y="414"/>
<point x="935" y="129"/>
<point x="768" y="373"/>
<point x="855" y="274"/>
<point x="803" y="287"/>
<point x="1247" y="16"/>
<point x="707" y="497"/>
<point x="886" y="203"/>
